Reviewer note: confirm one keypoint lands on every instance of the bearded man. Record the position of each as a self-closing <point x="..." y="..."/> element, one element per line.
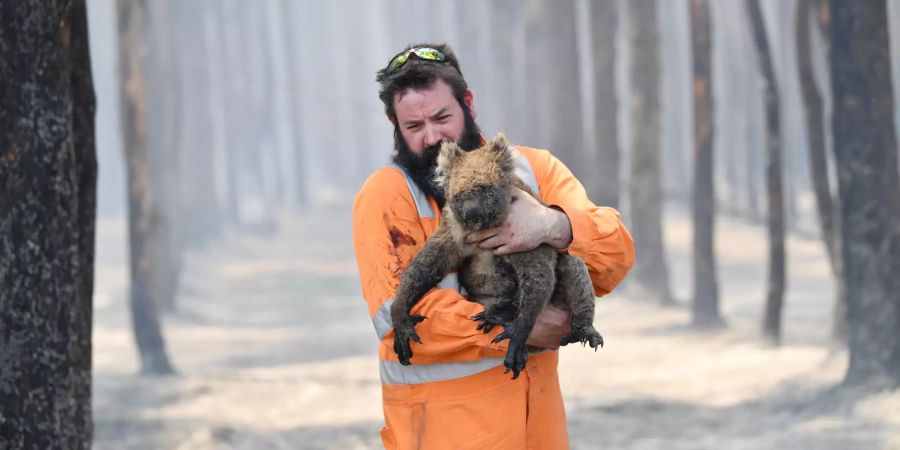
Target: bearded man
<point x="455" y="394"/>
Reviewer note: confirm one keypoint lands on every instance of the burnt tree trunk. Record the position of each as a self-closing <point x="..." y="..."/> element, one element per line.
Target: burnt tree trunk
<point x="553" y="71"/>
<point x="233" y="97"/>
<point x="48" y="173"/>
<point x="146" y="220"/>
<point x="162" y="120"/>
<point x="651" y="273"/>
<point x="705" y="305"/>
<point x="774" y="188"/>
<point x="197" y="206"/>
<point x="814" y="110"/>
<point x="603" y="186"/>
<point x="507" y="21"/>
<point x="293" y="45"/>
<point x="865" y="148"/>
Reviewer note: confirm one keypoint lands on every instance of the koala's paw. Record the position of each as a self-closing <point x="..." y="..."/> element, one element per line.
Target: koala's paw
<point x="404" y="332"/>
<point x="517" y="352"/>
<point x="488" y="319"/>
<point x="483" y="323"/>
<point x="586" y="335"/>
<point x="516" y="357"/>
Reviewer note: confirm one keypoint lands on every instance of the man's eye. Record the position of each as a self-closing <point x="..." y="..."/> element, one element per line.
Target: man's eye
<point x="413" y="127"/>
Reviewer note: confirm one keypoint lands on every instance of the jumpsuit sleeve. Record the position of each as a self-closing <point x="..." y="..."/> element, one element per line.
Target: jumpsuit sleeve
<point x="387" y="234"/>
<point x="598" y="235"/>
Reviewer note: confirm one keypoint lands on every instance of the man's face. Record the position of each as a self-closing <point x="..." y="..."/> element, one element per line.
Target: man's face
<point x="431" y="116"/>
<point x="426" y="117"/>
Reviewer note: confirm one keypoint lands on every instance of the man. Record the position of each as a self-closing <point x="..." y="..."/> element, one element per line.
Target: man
<point x="455" y="394"/>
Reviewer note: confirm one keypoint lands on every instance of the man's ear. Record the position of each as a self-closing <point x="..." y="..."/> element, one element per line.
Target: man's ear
<point x="469" y="101"/>
<point x="393" y="119"/>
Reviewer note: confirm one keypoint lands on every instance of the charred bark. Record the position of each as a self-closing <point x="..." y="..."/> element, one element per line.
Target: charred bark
<point x="865" y="149"/>
<point x="293" y="41"/>
<point x="705" y="305"/>
<point x="48" y="173"/>
<point x="603" y="186"/>
<point x="774" y="189"/>
<point x="507" y="21"/>
<point x="814" y="110"/>
<point x="651" y="273"/>
<point x="554" y="76"/>
<point x="163" y="129"/>
<point x="197" y="205"/>
<point x="146" y="217"/>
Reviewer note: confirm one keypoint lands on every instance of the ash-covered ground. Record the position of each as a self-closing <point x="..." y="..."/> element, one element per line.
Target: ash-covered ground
<point x="275" y="350"/>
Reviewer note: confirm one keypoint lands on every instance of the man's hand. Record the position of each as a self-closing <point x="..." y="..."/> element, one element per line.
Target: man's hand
<point x="551" y="326"/>
<point x="528" y="225"/>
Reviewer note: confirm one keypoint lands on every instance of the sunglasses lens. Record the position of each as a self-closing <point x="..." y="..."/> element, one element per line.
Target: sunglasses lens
<point x="398" y="61"/>
<point x="425" y="53"/>
<point x="429" y="54"/>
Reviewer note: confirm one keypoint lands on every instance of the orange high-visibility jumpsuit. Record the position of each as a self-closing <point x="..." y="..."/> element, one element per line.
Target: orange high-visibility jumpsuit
<point x="455" y="394"/>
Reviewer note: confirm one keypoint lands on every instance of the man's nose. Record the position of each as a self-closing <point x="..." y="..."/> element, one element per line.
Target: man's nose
<point x="432" y="136"/>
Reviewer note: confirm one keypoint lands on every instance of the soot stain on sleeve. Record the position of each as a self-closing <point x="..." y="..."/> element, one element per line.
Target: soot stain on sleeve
<point x="399" y="238"/>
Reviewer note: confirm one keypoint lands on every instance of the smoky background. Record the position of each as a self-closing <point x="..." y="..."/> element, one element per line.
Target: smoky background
<point x="235" y="134"/>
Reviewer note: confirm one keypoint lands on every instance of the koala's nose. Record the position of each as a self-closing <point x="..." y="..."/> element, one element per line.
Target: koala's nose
<point x="474" y="214"/>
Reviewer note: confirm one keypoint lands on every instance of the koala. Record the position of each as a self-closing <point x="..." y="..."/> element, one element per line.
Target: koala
<point x="480" y="185"/>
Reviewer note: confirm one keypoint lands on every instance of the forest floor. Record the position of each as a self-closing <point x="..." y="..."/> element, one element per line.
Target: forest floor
<point x="275" y="350"/>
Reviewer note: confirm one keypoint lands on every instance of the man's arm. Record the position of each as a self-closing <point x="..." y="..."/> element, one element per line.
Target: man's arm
<point x="598" y="235"/>
<point x="387" y="234"/>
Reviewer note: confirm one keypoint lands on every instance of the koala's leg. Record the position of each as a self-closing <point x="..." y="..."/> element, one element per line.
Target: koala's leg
<point x="431" y="264"/>
<point x="535" y="277"/>
<point x="574" y="285"/>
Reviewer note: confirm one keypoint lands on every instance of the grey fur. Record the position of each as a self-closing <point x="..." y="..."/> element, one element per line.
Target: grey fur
<point x="512" y="288"/>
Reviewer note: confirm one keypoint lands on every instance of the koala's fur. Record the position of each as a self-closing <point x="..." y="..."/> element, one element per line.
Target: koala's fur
<point x="479" y="187"/>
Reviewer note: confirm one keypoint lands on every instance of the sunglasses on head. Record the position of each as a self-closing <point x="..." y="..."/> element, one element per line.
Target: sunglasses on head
<point x="425" y="53"/>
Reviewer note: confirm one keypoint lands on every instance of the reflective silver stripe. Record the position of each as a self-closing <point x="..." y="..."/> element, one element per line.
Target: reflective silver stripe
<point x="526" y="173"/>
<point x="420" y="198"/>
<point x="382" y="319"/>
<point x="396" y="373"/>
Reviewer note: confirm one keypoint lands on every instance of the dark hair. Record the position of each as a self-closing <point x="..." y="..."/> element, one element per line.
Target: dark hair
<point x="421" y="74"/>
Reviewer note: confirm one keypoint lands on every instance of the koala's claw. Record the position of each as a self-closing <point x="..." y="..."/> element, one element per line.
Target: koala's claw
<point x="505" y="334"/>
<point x="586" y="335"/>
<point x="488" y="320"/>
<point x="403" y="333"/>
<point x="516" y="357"/>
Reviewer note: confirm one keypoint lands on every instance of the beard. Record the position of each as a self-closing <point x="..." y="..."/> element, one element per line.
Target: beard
<point x="421" y="167"/>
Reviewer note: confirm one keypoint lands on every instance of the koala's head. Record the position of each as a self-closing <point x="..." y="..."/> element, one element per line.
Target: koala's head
<point x="477" y="183"/>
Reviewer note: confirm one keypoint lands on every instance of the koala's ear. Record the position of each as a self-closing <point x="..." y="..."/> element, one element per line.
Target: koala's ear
<point x="505" y="153"/>
<point x="450" y="152"/>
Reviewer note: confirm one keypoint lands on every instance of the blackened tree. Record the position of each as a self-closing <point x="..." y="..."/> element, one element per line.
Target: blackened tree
<point x="146" y="216"/>
<point x="48" y="173"/>
<point x="865" y="149"/>
<point x="651" y="273"/>
<point x="774" y="190"/>
<point x="705" y="305"/>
